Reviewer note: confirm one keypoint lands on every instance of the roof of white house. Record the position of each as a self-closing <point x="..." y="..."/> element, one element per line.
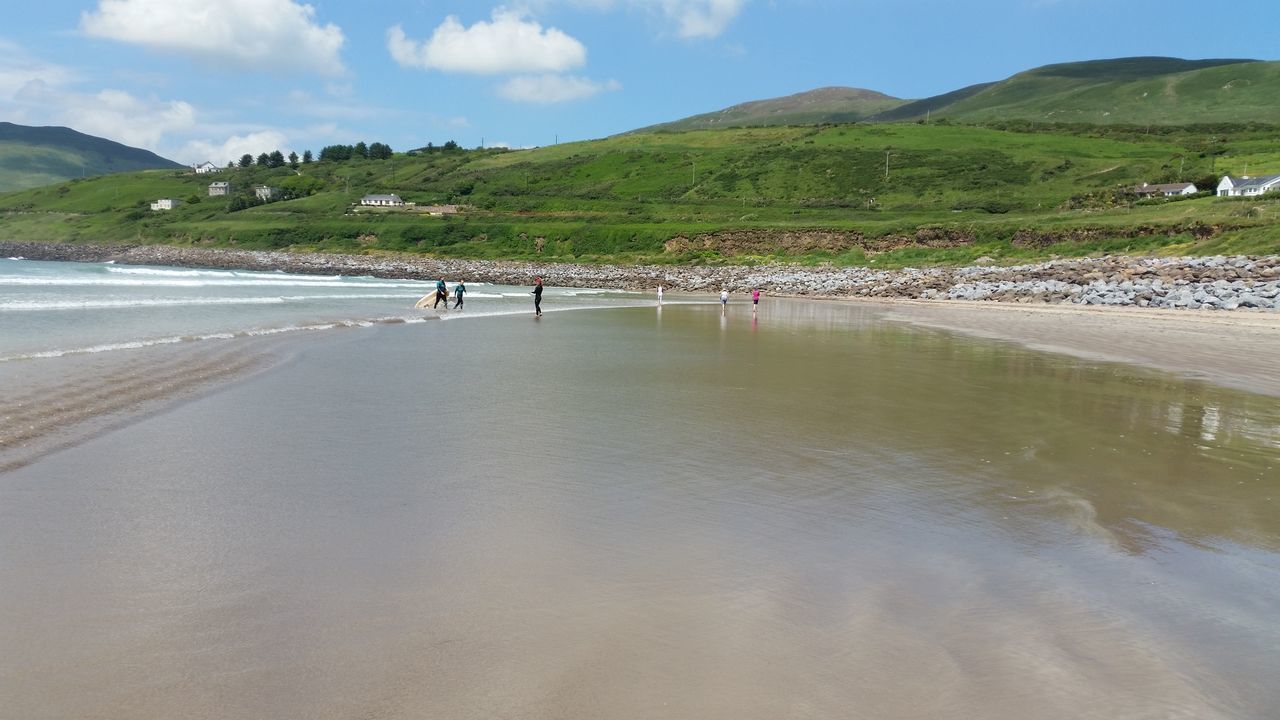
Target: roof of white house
<point x="220" y="183"/>
<point x="1246" y="182"/>
<point x="382" y="198"/>
<point x="1163" y="187"/>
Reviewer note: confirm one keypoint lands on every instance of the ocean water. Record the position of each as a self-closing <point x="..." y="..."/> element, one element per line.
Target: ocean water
<point x="58" y="308"/>
<point x="641" y="512"/>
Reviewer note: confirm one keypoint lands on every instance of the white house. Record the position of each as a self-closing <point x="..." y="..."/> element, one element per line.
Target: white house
<point x="165" y="204"/>
<point x="264" y="193"/>
<point x="382" y="201"/>
<point x="205" y="167"/>
<point x="1166" y="190"/>
<point x="219" y="188"/>
<point x="1246" y="186"/>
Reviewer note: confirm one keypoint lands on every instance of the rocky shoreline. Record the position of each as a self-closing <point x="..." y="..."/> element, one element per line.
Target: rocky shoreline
<point x="1209" y="283"/>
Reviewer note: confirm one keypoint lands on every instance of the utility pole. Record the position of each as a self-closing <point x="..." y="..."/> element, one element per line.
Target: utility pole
<point x="695" y="171"/>
<point x="886" y="165"/>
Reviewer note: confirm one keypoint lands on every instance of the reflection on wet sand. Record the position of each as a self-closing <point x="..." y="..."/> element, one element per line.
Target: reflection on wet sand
<point x="672" y="514"/>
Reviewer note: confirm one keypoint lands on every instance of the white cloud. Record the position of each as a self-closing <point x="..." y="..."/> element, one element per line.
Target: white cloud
<point x="267" y="35"/>
<point x="691" y="18"/>
<point x="698" y="18"/>
<point x="254" y="143"/>
<point x="112" y="114"/>
<point x="509" y="43"/>
<point x="553" y="88"/>
<point x="18" y="68"/>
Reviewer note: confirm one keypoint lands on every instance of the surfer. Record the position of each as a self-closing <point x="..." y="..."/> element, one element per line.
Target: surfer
<point x="537" y="298"/>
<point x="458" y="291"/>
<point x="442" y="293"/>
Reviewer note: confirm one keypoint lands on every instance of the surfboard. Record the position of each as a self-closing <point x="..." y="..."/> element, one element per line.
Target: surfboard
<point x="428" y="300"/>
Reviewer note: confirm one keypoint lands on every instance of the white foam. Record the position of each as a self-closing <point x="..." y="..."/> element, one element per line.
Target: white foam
<point x="262" y="281"/>
<point x="141" y="303"/>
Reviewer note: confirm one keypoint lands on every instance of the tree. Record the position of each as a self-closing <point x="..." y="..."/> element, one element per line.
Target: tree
<point x="246" y="160"/>
<point x="231" y="165"/>
<point x="380" y="151"/>
<point x="451" y="146"/>
<point x="275" y="159"/>
<point x="263" y="159"/>
<point x="361" y="149"/>
<point x="293" y="160"/>
<point x="306" y="156"/>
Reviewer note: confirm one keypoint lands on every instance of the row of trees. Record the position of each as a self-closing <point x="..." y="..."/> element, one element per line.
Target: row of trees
<point x="339" y="153"/>
<point x="272" y="160"/>
<point x="332" y="153"/>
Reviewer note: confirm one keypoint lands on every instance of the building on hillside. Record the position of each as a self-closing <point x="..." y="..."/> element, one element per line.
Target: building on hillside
<point x="205" y="167"/>
<point x="165" y="204"/>
<point x="382" y="201"/>
<point x="219" y="188"/>
<point x="1245" y="186"/>
<point x="441" y="209"/>
<point x="265" y="193"/>
<point x="1165" y="190"/>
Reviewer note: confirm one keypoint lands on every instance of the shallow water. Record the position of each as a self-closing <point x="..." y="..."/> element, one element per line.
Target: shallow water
<point x="656" y="514"/>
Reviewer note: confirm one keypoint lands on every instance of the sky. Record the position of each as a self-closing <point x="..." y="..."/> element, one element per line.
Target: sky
<point x="197" y="80"/>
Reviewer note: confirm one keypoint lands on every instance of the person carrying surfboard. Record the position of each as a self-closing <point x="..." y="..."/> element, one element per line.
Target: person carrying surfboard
<point x="442" y="293"/>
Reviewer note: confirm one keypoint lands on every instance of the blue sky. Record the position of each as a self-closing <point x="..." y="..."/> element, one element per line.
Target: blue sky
<point x="214" y="79"/>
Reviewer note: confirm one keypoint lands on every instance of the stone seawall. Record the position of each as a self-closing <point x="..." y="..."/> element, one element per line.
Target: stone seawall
<point x="1219" y="283"/>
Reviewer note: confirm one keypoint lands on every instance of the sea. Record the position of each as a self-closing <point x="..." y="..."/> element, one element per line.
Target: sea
<point x="312" y="501"/>
<point x="51" y="309"/>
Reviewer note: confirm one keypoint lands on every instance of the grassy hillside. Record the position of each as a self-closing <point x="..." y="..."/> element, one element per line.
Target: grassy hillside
<point x="1161" y="91"/>
<point x="824" y="105"/>
<point x="35" y="156"/>
<point x="950" y="194"/>
<point x="1134" y="91"/>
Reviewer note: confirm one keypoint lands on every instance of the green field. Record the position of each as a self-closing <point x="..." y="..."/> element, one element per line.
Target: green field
<point x="742" y="195"/>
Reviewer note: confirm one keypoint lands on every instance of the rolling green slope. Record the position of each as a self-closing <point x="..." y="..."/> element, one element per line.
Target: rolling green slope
<point x="1138" y="91"/>
<point x="35" y="156"/>
<point x="642" y="196"/>
<point x="824" y="105"/>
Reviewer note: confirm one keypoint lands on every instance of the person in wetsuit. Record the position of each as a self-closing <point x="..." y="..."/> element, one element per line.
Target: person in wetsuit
<point x="442" y="293"/>
<point x="458" y="291"/>
<point x="537" y="298"/>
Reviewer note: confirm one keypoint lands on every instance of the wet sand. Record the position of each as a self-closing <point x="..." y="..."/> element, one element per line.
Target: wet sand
<point x="821" y="511"/>
<point x="1240" y="350"/>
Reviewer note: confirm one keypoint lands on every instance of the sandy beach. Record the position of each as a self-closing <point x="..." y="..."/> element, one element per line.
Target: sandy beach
<point x="902" y="509"/>
<point x="1238" y="350"/>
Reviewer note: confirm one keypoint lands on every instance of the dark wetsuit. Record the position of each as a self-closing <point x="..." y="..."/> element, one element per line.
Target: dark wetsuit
<point x="458" y="292"/>
<point x="441" y="294"/>
<point x="537" y="299"/>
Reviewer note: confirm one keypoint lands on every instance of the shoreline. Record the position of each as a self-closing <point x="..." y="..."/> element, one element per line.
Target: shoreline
<point x="1186" y="283"/>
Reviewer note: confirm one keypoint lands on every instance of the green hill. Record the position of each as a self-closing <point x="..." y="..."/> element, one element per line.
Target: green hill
<point x="884" y="193"/>
<point x="1133" y="91"/>
<point x="1157" y="91"/>
<point x="824" y="105"/>
<point x="35" y="156"/>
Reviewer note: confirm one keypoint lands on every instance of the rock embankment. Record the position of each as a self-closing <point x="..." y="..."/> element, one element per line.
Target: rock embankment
<point x="1211" y="283"/>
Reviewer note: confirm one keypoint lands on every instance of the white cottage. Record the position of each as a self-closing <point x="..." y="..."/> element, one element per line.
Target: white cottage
<point x="382" y="201"/>
<point x="1246" y="186"/>
<point x="1166" y="189"/>
<point x="165" y="204"/>
<point x="219" y="188"/>
<point x="205" y="167"/>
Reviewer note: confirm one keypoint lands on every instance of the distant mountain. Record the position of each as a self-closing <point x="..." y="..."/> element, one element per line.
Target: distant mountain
<point x="1145" y="90"/>
<point x="36" y="156"/>
<point x="824" y="105"/>
<point x="1140" y="90"/>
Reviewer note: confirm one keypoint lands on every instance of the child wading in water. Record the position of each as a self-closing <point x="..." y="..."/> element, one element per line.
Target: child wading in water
<point x="755" y="299"/>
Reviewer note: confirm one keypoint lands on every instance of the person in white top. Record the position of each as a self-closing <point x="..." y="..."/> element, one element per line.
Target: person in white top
<point x="724" y="301"/>
<point x="659" y="294"/>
